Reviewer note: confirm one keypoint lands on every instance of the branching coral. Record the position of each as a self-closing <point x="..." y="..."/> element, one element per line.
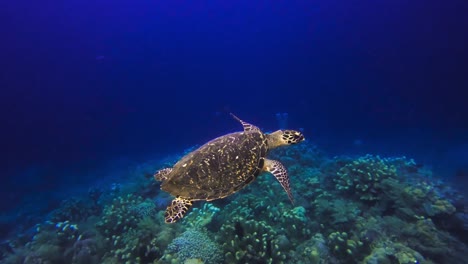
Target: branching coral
<point x="119" y="216"/>
<point x="129" y="226"/>
<point x="295" y="223"/>
<point x="193" y="244"/>
<point x="314" y="251"/>
<point x="133" y="231"/>
<point x="361" y="178"/>
<point x="440" y="206"/>
<point x="132" y="247"/>
<point x="146" y="208"/>
<point x="75" y="210"/>
<point x="335" y="211"/>
<point x="250" y="241"/>
<point x="346" y="246"/>
<point x="86" y="251"/>
<point x="389" y="252"/>
<point x="49" y="244"/>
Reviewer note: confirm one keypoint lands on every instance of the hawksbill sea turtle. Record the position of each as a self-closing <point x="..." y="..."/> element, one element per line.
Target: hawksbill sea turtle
<point x="224" y="166"/>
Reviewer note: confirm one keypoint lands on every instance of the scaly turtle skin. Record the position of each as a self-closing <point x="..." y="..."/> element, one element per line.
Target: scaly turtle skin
<point x="223" y="166"/>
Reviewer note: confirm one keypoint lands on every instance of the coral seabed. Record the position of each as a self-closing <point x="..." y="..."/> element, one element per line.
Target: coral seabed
<point x="366" y="209"/>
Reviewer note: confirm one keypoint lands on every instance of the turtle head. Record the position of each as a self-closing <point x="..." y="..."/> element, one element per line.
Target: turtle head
<point x="284" y="138"/>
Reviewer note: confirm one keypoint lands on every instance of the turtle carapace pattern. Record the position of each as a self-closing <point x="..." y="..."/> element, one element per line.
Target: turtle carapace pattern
<point x="224" y="166"/>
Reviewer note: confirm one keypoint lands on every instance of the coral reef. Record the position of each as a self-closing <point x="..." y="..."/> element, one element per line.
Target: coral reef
<point x="60" y="242"/>
<point x="365" y="210"/>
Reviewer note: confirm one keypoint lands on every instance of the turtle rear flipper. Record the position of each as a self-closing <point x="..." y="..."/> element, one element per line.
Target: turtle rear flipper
<point x="247" y="126"/>
<point x="177" y="209"/>
<point x="161" y="175"/>
<point x="279" y="171"/>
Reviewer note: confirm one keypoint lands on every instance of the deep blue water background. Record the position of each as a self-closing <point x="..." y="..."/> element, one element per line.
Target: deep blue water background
<point x="85" y="83"/>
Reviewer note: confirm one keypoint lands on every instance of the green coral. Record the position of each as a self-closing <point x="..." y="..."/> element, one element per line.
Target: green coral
<point x="294" y="222"/>
<point x="313" y="251"/>
<point x="440" y="206"/>
<point x="249" y="241"/>
<point x="51" y="243"/>
<point x="132" y="230"/>
<point x="345" y="246"/>
<point x="143" y="243"/>
<point x="147" y="208"/>
<point x="119" y="216"/>
<point x="335" y="211"/>
<point x="361" y="178"/>
<point x="193" y="244"/>
<point x="128" y="245"/>
<point x="297" y="213"/>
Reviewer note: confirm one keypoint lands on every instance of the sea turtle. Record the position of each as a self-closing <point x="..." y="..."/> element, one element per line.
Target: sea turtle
<point x="223" y="166"/>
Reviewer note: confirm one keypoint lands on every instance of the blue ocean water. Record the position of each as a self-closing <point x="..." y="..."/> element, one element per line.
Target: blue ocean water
<point x="96" y="96"/>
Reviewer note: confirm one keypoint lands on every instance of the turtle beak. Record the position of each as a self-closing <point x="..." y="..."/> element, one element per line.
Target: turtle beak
<point x="293" y="136"/>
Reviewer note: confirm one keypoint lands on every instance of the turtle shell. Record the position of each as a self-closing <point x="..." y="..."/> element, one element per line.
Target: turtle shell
<point x="219" y="168"/>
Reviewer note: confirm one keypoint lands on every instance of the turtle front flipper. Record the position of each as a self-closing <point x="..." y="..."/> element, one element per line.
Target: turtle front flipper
<point x="279" y="171"/>
<point x="161" y="175"/>
<point x="177" y="209"/>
